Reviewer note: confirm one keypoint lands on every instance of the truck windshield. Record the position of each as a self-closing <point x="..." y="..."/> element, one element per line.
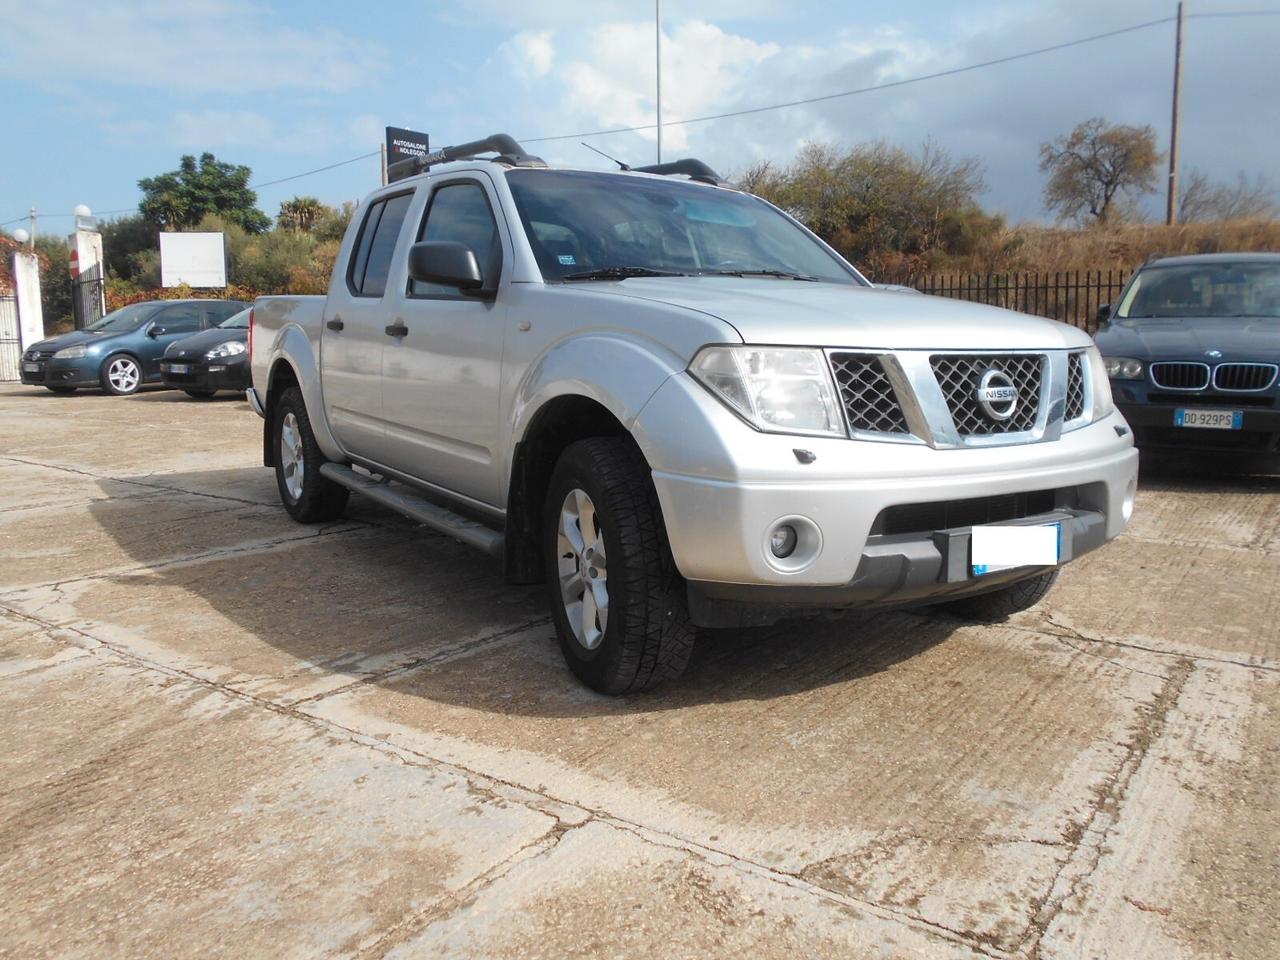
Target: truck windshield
<point x="604" y="226"/>
<point x="1245" y="289"/>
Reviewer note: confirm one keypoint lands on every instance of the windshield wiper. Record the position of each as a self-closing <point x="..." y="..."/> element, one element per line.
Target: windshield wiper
<point x="621" y="273"/>
<point x="779" y="274"/>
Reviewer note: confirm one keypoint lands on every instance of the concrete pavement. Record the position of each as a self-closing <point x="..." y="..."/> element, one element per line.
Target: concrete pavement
<point x="231" y="735"/>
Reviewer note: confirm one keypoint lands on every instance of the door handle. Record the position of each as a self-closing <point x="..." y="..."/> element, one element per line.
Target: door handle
<point x="397" y="329"/>
<point x="335" y="323"/>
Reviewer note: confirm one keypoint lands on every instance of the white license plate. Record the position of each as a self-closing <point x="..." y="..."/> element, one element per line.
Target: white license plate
<point x="31" y="368"/>
<point x="1212" y="419"/>
<point x="996" y="548"/>
<point x="179" y="368"/>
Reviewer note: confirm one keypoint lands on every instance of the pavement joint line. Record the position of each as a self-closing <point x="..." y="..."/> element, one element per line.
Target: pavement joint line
<point x="446" y="655"/>
<point x="498" y="789"/>
<point x="143" y="568"/>
<point x="451" y="902"/>
<point x="1074" y="633"/>
<point x="134" y="481"/>
<point x="1090" y="838"/>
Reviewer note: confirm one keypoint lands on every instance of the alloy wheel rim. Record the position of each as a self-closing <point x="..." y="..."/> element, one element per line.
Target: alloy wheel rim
<point x="292" y="463"/>
<point x="123" y="375"/>
<point x="581" y="568"/>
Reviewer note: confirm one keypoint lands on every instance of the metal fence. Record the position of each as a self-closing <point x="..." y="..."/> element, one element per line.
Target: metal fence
<point x="1070" y="296"/>
<point x="88" y="300"/>
<point x="10" y="340"/>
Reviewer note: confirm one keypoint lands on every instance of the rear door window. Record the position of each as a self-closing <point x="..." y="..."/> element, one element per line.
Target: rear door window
<point x="180" y="318"/>
<point x="371" y="259"/>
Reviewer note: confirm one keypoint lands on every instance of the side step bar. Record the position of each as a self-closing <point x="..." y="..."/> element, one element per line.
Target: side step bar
<point x="424" y="511"/>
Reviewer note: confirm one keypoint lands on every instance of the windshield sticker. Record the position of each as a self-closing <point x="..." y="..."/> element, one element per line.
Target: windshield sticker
<point x="567" y="260"/>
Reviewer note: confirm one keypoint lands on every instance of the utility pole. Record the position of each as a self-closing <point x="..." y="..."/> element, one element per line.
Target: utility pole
<point x="1171" y="208"/>
<point x="657" y="46"/>
<point x="33" y="229"/>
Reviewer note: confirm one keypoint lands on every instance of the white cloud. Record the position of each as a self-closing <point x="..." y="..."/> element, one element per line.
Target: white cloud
<point x="521" y="14"/>
<point x="193" y="46"/>
<point x="702" y="64"/>
<point x="529" y="55"/>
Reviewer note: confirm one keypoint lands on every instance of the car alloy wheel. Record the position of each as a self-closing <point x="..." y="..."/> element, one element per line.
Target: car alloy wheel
<point x="292" y="461"/>
<point x="123" y="375"/>
<point x="584" y="578"/>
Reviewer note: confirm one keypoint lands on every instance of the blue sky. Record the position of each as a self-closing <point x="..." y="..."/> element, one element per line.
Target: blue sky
<point x="287" y="87"/>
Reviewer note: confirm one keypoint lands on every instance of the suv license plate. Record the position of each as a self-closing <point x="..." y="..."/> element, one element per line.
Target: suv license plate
<point x="1210" y="419"/>
<point x="999" y="547"/>
<point x="31" y="368"/>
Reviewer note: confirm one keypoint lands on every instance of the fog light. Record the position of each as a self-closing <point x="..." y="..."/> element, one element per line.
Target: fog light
<point x="783" y="540"/>
<point x="1130" y="497"/>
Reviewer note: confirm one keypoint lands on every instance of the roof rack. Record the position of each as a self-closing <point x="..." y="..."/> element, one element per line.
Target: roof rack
<point x="507" y="149"/>
<point x="691" y="168"/>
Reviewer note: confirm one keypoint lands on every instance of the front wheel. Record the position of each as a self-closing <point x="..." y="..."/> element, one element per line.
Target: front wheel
<point x="121" y="375"/>
<point x="998" y="604"/>
<point x="617" y="600"/>
<point x="306" y="495"/>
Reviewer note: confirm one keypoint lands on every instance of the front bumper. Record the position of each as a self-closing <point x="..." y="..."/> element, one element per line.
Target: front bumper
<point x="1153" y="427"/>
<point x="81" y="372"/>
<point x="202" y="375"/>
<point x="719" y="521"/>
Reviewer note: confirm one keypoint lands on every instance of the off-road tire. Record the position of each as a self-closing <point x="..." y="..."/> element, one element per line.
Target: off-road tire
<point x="61" y="390"/>
<point x="321" y="499"/>
<point x="1003" y="603"/>
<point x="199" y="394"/>
<point x="648" y="636"/>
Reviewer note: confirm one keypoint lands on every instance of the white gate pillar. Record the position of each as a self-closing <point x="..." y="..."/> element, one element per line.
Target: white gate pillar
<point x="26" y="284"/>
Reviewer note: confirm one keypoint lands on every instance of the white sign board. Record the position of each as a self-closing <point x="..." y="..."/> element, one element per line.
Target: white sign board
<point x="196" y="259"/>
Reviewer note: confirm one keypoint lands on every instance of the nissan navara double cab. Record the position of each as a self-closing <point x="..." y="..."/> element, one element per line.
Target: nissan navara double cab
<point x="678" y="407"/>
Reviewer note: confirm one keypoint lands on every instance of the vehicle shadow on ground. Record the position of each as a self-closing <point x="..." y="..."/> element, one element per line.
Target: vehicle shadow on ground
<point x="1206" y="472"/>
<point x="403" y="591"/>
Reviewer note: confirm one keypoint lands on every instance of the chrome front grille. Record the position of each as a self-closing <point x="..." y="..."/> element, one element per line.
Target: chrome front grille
<point x="1180" y="376"/>
<point x="1075" y="387"/>
<point x="1244" y="377"/>
<point x="959" y="376"/>
<point x="870" y="404"/>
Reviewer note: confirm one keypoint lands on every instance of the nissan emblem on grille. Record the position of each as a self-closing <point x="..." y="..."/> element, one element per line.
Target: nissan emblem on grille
<point x="997" y="395"/>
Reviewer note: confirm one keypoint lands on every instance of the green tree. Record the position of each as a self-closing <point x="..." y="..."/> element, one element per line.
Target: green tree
<point x="124" y="242"/>
<point x="300" y="214"/>
<point x="182" y="197"/>
<point x="1096" y="166"/>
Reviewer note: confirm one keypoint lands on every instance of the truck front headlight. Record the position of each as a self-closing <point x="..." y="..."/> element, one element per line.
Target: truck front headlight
<point x="1103" y="405"/>
<point x="775" y="389"/>
<point x="232" y="348"/>
<point x="71" y="353"/>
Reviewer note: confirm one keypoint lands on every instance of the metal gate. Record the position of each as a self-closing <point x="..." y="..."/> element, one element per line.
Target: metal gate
<point x="88" y="302"/>
<point x="10" y="341"/>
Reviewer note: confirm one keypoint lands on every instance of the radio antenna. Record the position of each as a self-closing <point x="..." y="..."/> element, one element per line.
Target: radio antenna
<point x="621" y="165"/>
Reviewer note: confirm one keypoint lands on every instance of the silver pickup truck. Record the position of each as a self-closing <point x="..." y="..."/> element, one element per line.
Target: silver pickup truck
<point x="678" y="407"/>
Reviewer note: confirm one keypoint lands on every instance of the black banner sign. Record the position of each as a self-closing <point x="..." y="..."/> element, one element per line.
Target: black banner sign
<point x="402" y="144"/>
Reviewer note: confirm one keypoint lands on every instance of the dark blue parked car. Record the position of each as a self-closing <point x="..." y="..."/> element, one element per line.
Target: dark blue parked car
<point x="1193" y="351"/>
<point x="121" y="351"/>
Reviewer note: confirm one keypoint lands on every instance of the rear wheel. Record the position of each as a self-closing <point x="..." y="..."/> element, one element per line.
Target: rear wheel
<point x="121" y="375"/>
<point x="61" y="389"/>
<point x="998" y="604"/>
<point x="306" y="495"/>
<point x="617" y="600"/>
<point x="200" y="394"/>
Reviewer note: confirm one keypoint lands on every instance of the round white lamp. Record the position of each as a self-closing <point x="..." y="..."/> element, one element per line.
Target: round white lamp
<point x="21" y="235"/>
<point x="82" y="210"/>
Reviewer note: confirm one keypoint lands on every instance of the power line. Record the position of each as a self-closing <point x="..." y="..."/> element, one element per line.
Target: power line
<point x="340" y="163"/>
<point x="909" y="80"/>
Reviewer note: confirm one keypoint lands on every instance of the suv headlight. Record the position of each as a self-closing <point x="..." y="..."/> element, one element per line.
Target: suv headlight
<point x="775" y="389"/>
<point x="71" y="353"/>
<point x="1125" y="368"/>
<point x="232" y="348"/>
<point x="1099" y="373"/>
